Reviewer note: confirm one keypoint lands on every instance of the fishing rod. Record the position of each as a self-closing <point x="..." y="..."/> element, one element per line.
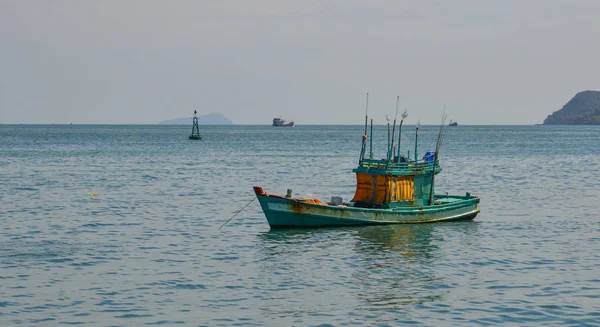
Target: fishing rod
<point x="366" y="113"/>
<point x="438" y="147"/>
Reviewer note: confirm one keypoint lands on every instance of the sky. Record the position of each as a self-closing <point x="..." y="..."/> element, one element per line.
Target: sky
<point x="139" y="62"/>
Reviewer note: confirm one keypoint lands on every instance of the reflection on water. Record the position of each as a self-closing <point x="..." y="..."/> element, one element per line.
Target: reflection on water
<point x="382" y="267"/>
<point x="395" y="269"/>
<point x="406" y="240"/>
<point x="399" y="263"/>
<point x="298" y="273"/>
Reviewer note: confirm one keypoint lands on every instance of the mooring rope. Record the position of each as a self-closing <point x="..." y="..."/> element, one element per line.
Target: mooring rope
<point x="239" y="211"/>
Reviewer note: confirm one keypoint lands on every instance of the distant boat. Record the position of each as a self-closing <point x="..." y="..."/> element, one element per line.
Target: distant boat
<point x="278" y="122"/>
<point x="453" y="123"/>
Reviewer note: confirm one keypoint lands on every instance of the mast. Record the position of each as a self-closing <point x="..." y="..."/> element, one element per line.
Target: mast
<point x="364" y="136"/>
<point x="404" y="115"/>
<point x="391" y="149"/>
<point x="371" y="140"/>
<point x="388" y="145"/>
<point x="417" y="140"/>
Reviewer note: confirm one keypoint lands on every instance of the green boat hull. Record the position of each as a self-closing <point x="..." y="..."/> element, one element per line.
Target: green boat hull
<point x="284" y="212"/>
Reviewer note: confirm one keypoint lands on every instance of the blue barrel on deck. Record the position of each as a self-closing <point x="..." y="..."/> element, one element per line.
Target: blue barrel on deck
<point x="429" y="157"/>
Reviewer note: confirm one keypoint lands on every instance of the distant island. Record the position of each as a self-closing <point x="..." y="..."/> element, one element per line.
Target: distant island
<point x="583" y="109"/>
<point x="208" y="119"/>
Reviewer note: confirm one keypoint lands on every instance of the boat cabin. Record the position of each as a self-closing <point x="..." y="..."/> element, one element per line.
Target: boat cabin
<point x="394" y="183"/>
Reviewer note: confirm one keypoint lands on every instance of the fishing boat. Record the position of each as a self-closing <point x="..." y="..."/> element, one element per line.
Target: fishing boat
<point x="195" y="130"/>
<point x="396" y="189"/>
<point x="453" y="123"/>
<point x="278" y="122"/>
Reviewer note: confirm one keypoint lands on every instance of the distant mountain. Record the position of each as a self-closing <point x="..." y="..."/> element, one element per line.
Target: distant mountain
<point x="208" y="119"/>
<point x="582" y="109"/>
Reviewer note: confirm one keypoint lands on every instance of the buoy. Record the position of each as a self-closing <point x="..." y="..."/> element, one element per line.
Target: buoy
<point x="195" y="130"/>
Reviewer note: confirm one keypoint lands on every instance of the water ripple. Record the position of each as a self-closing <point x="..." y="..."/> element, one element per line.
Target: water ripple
<point x="147" y="249"/>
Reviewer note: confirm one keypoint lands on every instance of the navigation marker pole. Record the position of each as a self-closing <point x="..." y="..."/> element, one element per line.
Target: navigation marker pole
<point x="195" y="130"/>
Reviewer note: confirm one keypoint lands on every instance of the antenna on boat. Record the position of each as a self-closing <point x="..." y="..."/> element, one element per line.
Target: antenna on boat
<point x="438" y="147"/>
<point x="403" y="116"/>
<point x="364" y="136"/>
<point x="391" y="149"/>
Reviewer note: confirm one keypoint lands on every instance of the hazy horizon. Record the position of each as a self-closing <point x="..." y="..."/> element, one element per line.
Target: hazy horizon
<point x="411" y="125"/>
<point x="142" y="62"/>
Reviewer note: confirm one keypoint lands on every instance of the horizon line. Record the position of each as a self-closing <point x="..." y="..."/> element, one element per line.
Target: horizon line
<point x="234" y="124"/>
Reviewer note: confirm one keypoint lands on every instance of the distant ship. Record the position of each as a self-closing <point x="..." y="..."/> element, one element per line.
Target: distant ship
<point x="453" y="123"/>
<point x="278" y="122"/>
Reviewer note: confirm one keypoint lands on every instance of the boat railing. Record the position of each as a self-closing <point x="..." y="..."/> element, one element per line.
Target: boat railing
<point x="383" y="164"/>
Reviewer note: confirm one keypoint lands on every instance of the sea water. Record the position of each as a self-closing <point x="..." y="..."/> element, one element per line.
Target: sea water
<point x="119" y="226"/>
